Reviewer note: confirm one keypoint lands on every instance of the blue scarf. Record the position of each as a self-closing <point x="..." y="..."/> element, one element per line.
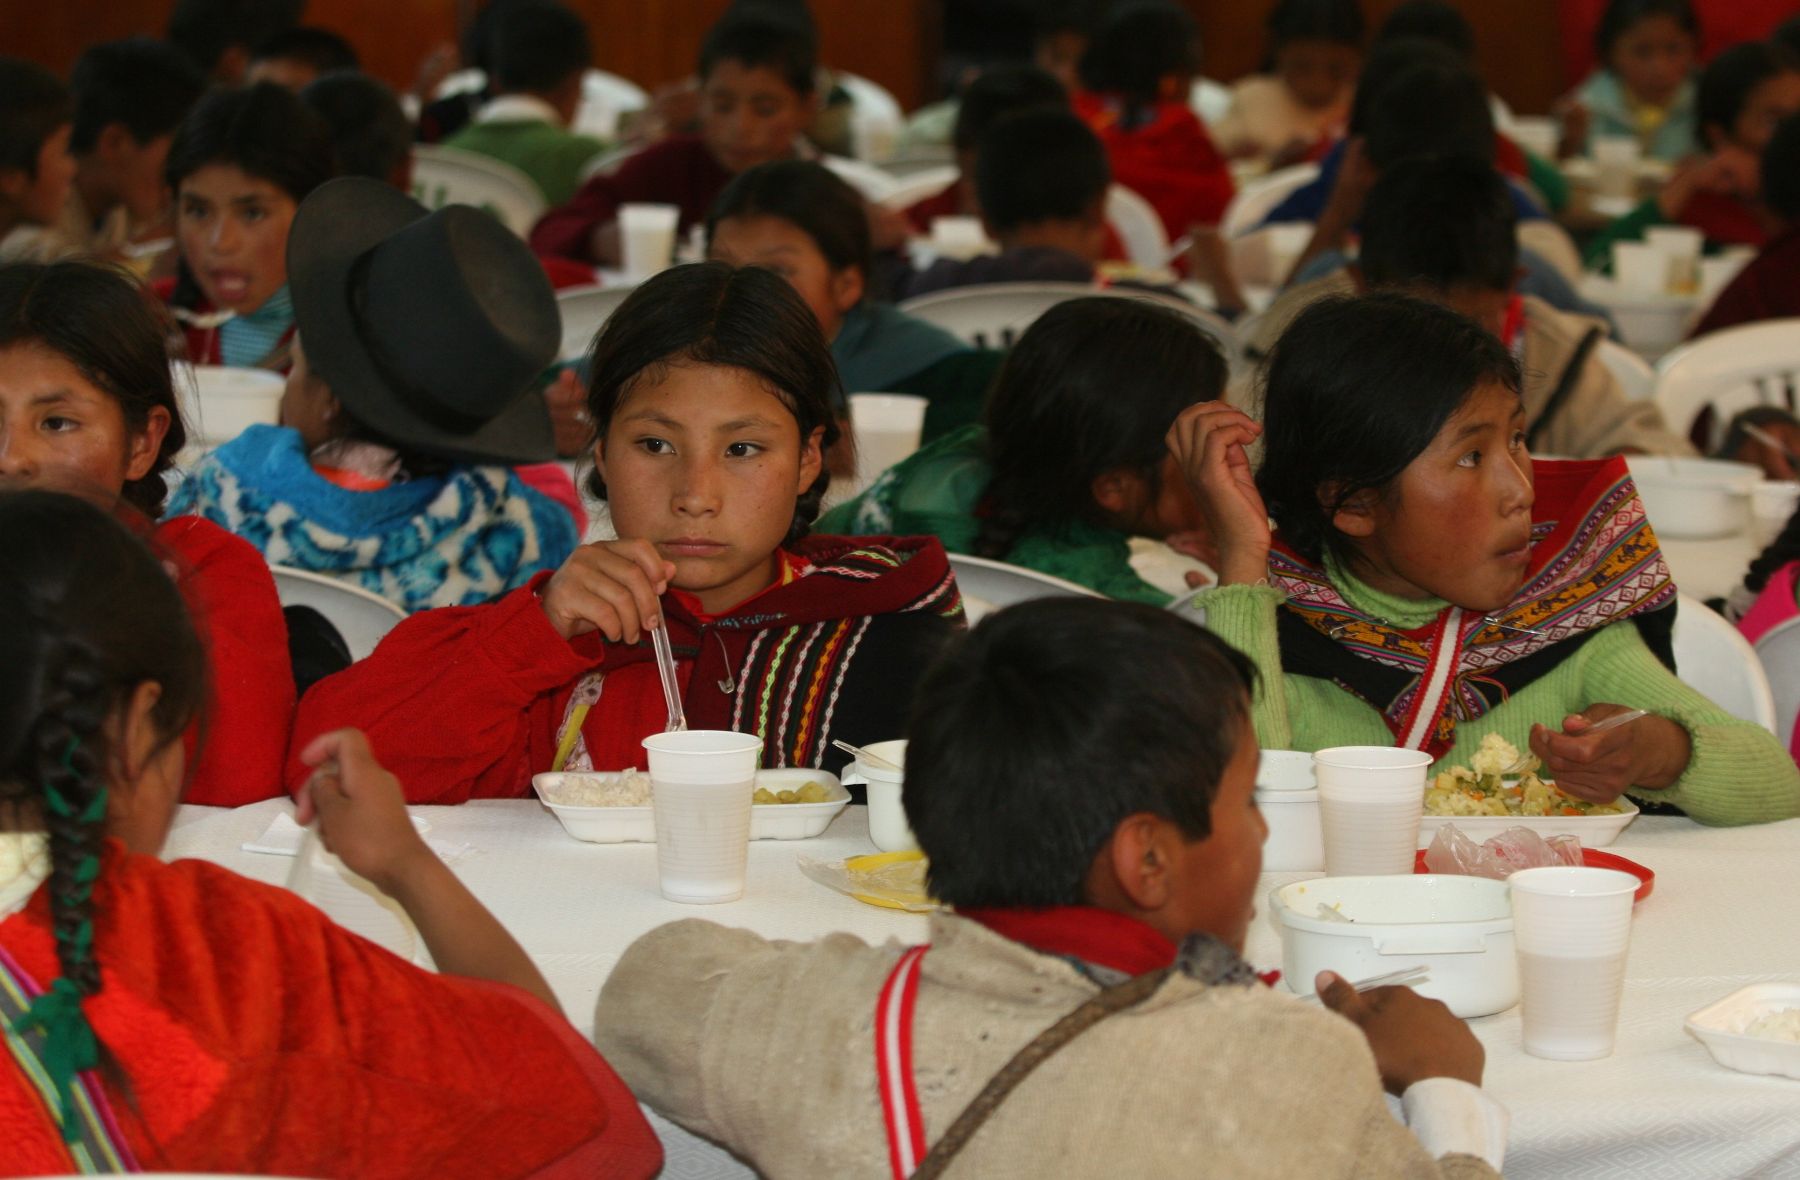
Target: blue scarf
<point x="879" y="346"/>
<point x="459" y="539"/>
<point x="248" y="338"/>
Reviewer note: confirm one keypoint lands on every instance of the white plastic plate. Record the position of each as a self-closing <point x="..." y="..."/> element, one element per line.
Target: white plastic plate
<point x="768" y="821"/>
<point x="1720" y="1027"/>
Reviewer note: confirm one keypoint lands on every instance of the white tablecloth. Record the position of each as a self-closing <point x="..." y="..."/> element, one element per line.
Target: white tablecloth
<point x="1725" y="912"/>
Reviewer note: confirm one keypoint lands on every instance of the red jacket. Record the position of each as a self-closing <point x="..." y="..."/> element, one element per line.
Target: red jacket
<point x="1168" y="160"/>
<point x="258" y="1037"/>
<point x="250" y="705"/>
<point x="678" y="171"/>
<point x="469" y="702"/>
<point x="1767" y="289"/>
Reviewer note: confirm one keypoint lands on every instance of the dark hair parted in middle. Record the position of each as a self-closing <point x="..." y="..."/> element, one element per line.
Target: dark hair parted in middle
<point x="1092" y="386"/>
<point x="1356" y="389"/>
<point x="809" y="196"/>
<point x="1440" y="222"/>
<point x="1036" y="734"/>
<point x="264" y="131"/>
<point x="709" y="313"/>
<point x="1139" y="44"/>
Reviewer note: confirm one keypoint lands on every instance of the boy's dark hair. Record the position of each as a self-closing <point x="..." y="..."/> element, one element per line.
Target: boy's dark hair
<point x="1356" y="389"/>
<point x="1420" y="99"/>
<point x="1787" y="35"/>
<point x="205" y="29"/>
<point x="143" y="84"/>
<point x="1619" y="15"/>
<point x="33" y="104"/>
<point x="758" y="38"/>
<point x="808" y="196"/>
<point x="1781" y="170"/>
<point x="1082" y="17"/>
<point x="1440" y="223"/>
<point x="97" y="318"/>
<point x="87" y="614"/>
<point x="538" y="46"/>
<point x="1035" y="735"/>
<point x="1138" y="45"/>
<point x="322" y="49"/>
<point x="369" y="129"/>
<point x="1340" y="21"/>
<point x="1001" y="90"/>
<point x="1728" y="80"/>
<point x="1092" y="386"/>
<point x="264" y="130"/>
<point x="708" y="313"/>
<point x="1039" y="165"/>
<point x="1430" y="20"/>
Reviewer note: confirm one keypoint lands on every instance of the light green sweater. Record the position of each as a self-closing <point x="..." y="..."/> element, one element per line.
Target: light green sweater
<point x="1739" y="774"/>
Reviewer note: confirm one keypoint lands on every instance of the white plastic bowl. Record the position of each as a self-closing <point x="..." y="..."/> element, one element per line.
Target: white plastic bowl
<point x="1695" y="498"/>
<point x="1290" y="806"/>
<point x="1594" y="831"/>
<point x="1460" y="928"/>
<point x="637" y="825"/>
<point x="1649" y="322"/>
<point x="1720" y="1027"/>
<point x="219" y="402"/>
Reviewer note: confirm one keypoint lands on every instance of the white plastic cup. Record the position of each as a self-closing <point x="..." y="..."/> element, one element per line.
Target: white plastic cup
<point x="888" y="829"/>
<point x="1639" y="268"/>
<point x="1538" y="134"/>
<point x="647" y="238"/>
<point x="1616" y="160"/>
<point x="887" y="427"/>
<point x="1572" y="928"/>
<point x="1680" y="246"/>
<point x="959" y="237"/>
<point x="1772" y="503"/>
<point x="701" y="782"/>
<point x="1370" y="801"/>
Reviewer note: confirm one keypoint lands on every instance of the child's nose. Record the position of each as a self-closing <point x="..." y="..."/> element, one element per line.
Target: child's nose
<point x="698" y="492"/>
<point x="17" y="461"/>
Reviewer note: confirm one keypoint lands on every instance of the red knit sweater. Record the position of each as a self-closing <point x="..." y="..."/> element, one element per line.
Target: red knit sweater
<point x="1170" y="161"/>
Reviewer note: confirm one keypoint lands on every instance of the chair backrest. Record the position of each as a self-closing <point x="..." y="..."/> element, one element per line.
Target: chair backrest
<point x="865" y="178"/>
<point x="583" y="311"/>
<point x="914" y="187"/>
<point x="1634" y="373"/>
<point x="604" y="97"/>
<point x="1778" y="650"/>
<point x="1136" y="222"/>
<point x="1719" y="663"/>
<point x="219" y="401"/>
<point x="989" y="585"/>
<point x="467" y="81"/>
<point x="360" y="617"/>
<point x="995" y="315"/>
<point x="1728" y="372"/>
<point x="447" y="176"/>
<point x="1209" y="99"/>
<point x="876" y="117"/>
<point x="1255" y="200"/>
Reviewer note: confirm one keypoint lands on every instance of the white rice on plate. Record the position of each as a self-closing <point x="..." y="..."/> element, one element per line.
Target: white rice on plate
<point x="1783" y="1024"/>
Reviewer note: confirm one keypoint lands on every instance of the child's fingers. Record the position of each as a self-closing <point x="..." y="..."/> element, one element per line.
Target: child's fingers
<point x="1336" y="994"/>
<point x="336" y="746"/>
<point x="657" y="570"/>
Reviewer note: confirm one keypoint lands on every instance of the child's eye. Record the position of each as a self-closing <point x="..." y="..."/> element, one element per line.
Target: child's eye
<point x="255" y="213"/>
<point x="656" y="446"/>
<point x="57" y="424"/>
<point x="766" y="108"/>
<point x="1472" y="459"/>
<point x="1518" y="440"/>
<point x="744" y="450"/>
<point x="193" y="209"/>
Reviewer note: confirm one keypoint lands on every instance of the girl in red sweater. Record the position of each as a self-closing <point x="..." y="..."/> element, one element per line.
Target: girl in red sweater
<point x="87" y="405"/>
<point x="711" y="397"/>
<point x="176" y="1017"/>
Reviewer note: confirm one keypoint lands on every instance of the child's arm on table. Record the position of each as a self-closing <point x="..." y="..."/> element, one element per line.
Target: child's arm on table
<point x="363" y="820"/>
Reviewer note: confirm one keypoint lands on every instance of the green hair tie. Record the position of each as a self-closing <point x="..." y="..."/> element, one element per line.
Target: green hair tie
<point x="58" y="801"/>
<point x="69" y="1044"/>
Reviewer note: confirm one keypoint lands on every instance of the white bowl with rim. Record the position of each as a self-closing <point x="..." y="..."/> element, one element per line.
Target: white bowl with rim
<point x="1695" y="499"/>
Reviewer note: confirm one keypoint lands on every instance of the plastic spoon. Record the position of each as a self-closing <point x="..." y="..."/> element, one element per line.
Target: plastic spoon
<point x="1613" y="722"/>
<point x="1405" y="977"/>
<point x="665" y="667"/>
<point x="866" y="758"/>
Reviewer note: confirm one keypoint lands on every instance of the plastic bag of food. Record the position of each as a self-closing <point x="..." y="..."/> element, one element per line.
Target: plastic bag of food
<point x="891" y="880"/>
<point x="1455" y="852"/>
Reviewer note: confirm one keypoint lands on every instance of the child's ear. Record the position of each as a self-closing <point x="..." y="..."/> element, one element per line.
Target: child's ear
<point x="1355" y="517"/>
<point x="1117" y="491"/>
<point x="146" y="444"/>
<point x="847" y="287"/>
<point x="812" y="460"/>
<point x="1141" y="861"/>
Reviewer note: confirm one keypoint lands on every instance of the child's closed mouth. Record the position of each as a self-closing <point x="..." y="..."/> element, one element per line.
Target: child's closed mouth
<point x="692" y="547"/>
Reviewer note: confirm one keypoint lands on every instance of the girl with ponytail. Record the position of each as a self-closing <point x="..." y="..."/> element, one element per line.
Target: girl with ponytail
<point x="178" y="1017"/>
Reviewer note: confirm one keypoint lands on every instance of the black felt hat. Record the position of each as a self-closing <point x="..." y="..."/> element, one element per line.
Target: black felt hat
<point x="431" y="328"/>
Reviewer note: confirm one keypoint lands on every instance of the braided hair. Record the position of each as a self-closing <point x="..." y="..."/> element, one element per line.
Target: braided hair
<point x="87" y="615"/>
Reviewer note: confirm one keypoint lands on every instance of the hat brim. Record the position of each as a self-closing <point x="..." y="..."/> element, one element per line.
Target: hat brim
<point x="338" y="223"/>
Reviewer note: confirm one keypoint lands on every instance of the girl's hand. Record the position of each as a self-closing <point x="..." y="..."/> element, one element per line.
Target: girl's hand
<point x="361" y="811"/>
<point x="611" y="587"/>
<point x="1651" y="752"/>
<point x="1208" y="441"/>
<point x="1413" y="1038"/>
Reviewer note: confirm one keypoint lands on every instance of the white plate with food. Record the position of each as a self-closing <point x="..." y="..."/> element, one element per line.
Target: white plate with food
<point x="1754" y="1029"/>
<point x="613" y="807"/>
<point x="1483" y="801"/>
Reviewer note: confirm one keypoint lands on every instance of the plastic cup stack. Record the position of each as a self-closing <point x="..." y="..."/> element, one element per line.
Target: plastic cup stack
<point x="1572" y="928"/>
<point x="1370" y="801"/>
<point x="1680" y="247"/>
<point x="888" y="427"/>
<point x="647" y="238"/>
<point x="1616" y="158"/>
<point x="701" y="781"/>
<point x="1640" y="268"/>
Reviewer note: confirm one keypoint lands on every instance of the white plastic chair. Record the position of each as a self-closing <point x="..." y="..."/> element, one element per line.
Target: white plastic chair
<point x="605" y="97"/>
<point x="461" y="82"/>
<point x="1729" y="372"/>
<point x="360" y="617"/>
<point x="1135" y="221"/>
<point x="995" y="315"/>
<point x="1634" y="373"/>
<point x="914" y="187"/>
<point x="989" y="585"/>
<point x="219" y="401"/>
<point x="1258" y="198"/>
<point x="583" y="311"/>
<point x="1552" y="243"/>
<point x="1713" y="658"/>
<point x="448" y="176"/>
<point x="1778" y="650"/>
<point x="874" y="184"/>
<point x="876" y="116"/>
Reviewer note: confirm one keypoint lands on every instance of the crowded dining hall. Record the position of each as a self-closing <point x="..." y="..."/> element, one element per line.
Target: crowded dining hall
<point x="974" y="588"/>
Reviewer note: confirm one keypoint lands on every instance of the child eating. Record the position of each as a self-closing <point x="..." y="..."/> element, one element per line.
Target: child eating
<point x="1080" y="775"/>
<point x="1425" y="585"/>
<point x="711" y="397"/>
<point x="1643" y="88"/>
<point x="1299" y="105"/>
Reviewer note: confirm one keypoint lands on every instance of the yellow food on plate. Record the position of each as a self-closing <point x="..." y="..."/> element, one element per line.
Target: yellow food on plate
<point x="1481" y="790"/>
<point x="809" y="793"/>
